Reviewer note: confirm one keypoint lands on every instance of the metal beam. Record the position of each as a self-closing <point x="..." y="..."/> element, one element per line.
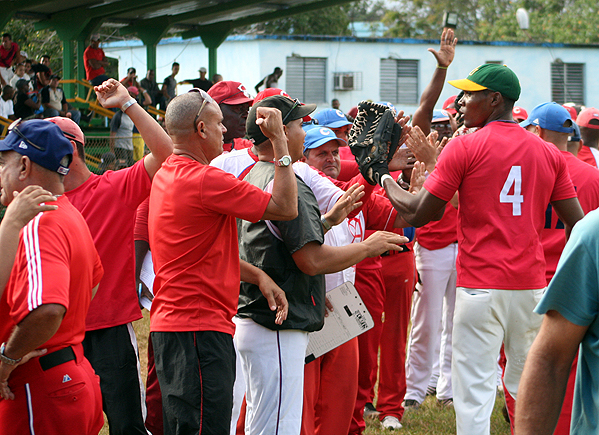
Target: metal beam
<point x="253" y="19"/>
<point x="205" y="12"/>
<point x="104" y="11"/>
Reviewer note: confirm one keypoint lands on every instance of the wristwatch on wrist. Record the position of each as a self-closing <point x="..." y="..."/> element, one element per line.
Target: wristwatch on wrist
<point x="283" y="161"/>
<point x="7" y="360"/>
<point x="128" y="104"/>
<point x="325" y="223"/>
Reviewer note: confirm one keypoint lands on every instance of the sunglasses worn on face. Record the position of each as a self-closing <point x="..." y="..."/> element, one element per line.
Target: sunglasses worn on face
<point x="14" y="128"/>
<point x="206" y="99"/>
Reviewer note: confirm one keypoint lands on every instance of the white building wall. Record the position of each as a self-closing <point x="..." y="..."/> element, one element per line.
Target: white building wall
<point x="248" y="59"/>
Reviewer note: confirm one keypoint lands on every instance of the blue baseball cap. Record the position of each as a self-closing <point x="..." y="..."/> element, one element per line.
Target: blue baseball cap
<point x="42" y="141"/>
<point x="316" y="137"/>
<point x="389" y="105"/>
<point x="550" y="116"/>
<point x="332" y="118"/>
<point x="440" y="116"/>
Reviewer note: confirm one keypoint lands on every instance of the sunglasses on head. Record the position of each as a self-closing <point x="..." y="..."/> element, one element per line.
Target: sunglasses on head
<point x="14" y="128"/>
<point x="296" y="103"/>
<point x="206" y="99"/>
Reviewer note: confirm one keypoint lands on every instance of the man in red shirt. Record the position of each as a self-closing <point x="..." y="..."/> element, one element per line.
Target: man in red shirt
<point x="108" y="203"/>
<point x="94" y="60"/>
<point x="55" y="274"/>
<point x="552" y="123"/>
<point x="9" y="55"/>
<point x="193" y="234"/>
<point x="588" y="121"/>
<point x="234" y="101"/>
<point x="500" y="264"/>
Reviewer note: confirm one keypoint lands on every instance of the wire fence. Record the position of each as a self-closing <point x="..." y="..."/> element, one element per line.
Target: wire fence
<point x="99" y="157"/>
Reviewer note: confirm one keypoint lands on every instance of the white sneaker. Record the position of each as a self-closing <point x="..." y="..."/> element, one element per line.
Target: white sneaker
<point x="391" y="422"/>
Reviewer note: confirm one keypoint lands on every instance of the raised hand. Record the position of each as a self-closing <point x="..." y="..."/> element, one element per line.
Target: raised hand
<point x="270" y="122"/>
<point x="417" y="178"/>
<point x="27" y="204"/>
<point x="446" y="51"/>
<point x="347" y="203"/>
<point x="111" y="93"/>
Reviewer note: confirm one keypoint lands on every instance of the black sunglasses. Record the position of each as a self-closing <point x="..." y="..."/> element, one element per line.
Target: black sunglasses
<point x="14" y="128"/>
<point x="296" y="103"/>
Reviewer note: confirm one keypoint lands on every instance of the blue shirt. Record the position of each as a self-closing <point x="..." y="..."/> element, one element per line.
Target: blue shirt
<point x="574" y="293"/>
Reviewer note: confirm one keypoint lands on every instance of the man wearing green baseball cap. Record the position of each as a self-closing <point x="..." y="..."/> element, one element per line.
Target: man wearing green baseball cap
<point x="505" y="177"/>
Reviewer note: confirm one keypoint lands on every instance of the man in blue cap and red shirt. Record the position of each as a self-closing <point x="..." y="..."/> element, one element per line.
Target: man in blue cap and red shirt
<point x="42" y="312"/>
<point x="336" y="121"/>
<point x="505" y="177"/>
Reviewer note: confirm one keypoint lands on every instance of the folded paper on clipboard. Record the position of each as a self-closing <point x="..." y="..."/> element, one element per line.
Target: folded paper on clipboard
<point x="349" y="319"/>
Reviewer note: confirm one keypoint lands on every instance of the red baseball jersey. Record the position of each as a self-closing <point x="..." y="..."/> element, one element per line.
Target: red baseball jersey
<point x="505" y="176"/>
<point x="586" y="182"/>
<point x="56" y="263"/>
<point x="193" y="235"/>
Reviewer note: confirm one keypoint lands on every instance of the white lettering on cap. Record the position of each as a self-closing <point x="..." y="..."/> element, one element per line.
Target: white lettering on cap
<point x="23" y="145"/>
<point x="325" y="131"/>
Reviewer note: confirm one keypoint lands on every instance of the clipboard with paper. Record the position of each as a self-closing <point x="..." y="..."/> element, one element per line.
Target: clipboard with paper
<point x="349" y="319"/>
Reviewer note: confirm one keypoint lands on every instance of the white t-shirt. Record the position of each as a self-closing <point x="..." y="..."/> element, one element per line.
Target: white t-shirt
<point x="6" y="108"/>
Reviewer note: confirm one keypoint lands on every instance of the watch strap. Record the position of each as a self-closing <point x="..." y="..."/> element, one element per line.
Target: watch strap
<point x="7" y="360"/>
<point x="325" y="223"/>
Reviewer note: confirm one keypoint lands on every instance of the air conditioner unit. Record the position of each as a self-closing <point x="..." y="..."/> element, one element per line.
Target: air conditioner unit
<point x="344" y="82"/>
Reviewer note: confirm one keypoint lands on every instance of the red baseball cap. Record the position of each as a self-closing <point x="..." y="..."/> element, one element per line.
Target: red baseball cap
<point x="269" y="92"/>
<point x="449" y="106"/>
<point x="519" y="114"/>
<point x="229" y="92"/>
<point x="572" y="111"/>
<point x="69" y="128"/>
<point x="133" y="90"/>
<point x="589" y="118"/>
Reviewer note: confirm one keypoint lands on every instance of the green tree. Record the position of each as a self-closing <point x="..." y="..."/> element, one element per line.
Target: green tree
<point x="560" y="21"/>
<point x="36" y="42"/>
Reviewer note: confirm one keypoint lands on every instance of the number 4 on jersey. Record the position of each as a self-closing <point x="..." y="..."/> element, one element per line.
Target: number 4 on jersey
<point x="514" y="178"/>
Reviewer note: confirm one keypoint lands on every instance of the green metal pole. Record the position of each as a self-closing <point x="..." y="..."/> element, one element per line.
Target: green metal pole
<point x="68" y="66"/>
<point x="212" y="64"/>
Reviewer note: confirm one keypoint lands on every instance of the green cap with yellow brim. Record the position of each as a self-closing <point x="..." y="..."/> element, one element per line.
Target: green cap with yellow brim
<point x="494" y="77"/>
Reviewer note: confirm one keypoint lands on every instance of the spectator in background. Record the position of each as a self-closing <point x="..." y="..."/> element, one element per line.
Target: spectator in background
<point x="55" y="102"/>
<point x="95" y="61"/>
<point x="271" y="80"/>
<point x="121" y="134"/>
<point x="9" y="56"/>
<point x="169" y="85"/>
<point x="6" y="103"/>
<point x="28" y="63"/>
<point x="202" y="82"/>
<point x="335" y="104"/>
<point x="130" y="79"/>
<point x="234" y="102"/>
<point x="20" y="74"/>
<point x="41" y="78"/>
<point x="217" y="78"/>
<point x="45" y="60"/>
<point x="149" y="84"/>
<point x="25" y="106"/>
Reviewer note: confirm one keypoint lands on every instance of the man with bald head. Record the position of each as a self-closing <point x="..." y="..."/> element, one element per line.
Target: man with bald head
<point x="193" y="234"/>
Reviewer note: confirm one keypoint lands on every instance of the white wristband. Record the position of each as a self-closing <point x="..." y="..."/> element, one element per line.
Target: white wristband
<point x="128" y="104"/>
<point x="384" y="177"/>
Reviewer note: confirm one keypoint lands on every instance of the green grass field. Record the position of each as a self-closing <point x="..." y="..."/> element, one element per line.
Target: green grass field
<point x="430" y="419"/>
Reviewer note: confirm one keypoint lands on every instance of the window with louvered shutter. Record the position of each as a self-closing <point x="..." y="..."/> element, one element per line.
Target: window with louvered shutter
<point x="567" y="82"/>
<point x="399" y="81"/>
<point x="306" y="78"/>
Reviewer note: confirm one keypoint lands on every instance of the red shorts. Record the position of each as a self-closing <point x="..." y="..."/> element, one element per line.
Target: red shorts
<point x="62" y="399"/>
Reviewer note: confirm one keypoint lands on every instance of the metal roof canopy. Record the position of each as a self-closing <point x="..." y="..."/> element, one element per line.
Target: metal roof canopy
<point x="150" y="20"/>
